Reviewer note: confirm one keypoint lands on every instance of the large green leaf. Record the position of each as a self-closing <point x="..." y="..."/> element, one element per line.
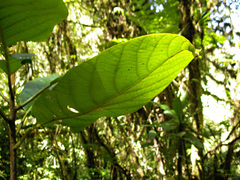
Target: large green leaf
<point x="29" y="20"/>
<point x="118" y="81"/>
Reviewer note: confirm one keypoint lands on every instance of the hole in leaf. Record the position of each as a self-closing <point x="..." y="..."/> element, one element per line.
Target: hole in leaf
<point x="72" y="109"/>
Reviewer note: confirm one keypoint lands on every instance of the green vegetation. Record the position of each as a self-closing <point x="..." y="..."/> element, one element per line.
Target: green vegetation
<point x="116" y="90"/>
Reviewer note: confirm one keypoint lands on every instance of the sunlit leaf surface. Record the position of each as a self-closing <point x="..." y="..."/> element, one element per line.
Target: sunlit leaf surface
<point x="29" y="20"/>
<point x="118" y="81"/>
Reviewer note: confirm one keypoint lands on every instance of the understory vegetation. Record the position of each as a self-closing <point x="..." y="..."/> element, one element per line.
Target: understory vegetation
<point x="121" y="89"/>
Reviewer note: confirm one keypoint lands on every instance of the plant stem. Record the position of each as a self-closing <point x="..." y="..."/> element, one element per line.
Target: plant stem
<point x="5" y="98"/>
<point x="4" y="116"/>
<point x="11" y="92"/>
<point x="28" y="131"/>
<point x="25" y="136"/>
<point x="12" y="117"/>
<point x="13" y="152"/>
<point x="23" y="120"/>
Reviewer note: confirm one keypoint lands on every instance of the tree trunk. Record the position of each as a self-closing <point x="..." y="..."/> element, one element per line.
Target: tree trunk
<point x="88" y="141"/>
<point x="12" y="135"/>
<point x="187" y="27"/>
<point x="13" y="152"/>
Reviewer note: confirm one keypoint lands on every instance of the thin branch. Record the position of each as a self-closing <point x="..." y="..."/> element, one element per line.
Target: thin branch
<point x="25" y="136"/>
<point x="232" y="131"/>
<point x="220" y="144"/>
<point x="183" y="84"/>
<point x="234" y="140"/>
<point x="4" y="116"/>
<point x="216" y="97"/>
<point x="214" y="79"/>
<point x="85" y="25"/>
<point x="4" y="97"/>
<point x="28" y="131"/>
<point x="23" y="120"/>
<point x="111" y="153"/>
<point x="224" y="69"/>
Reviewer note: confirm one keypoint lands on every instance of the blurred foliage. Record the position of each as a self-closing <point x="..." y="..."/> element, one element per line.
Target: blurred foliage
<point x="155" y="141"/>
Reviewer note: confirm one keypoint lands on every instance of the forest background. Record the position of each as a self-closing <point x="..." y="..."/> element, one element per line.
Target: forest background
<point x="189" y="131"/>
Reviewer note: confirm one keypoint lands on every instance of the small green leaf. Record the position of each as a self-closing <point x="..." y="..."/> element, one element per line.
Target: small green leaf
<point x="180" y="134"/>
<point x="171" y="29"/>
<point x="195" y="141"/>
<point x="3" y="65"/>
<point x="177" y="107"/>
<point x="118" y="81"/>
<point x="171" y="113"/>
<point x="169" y="125"/>
<point x="15" y="62"/>
<point x="34" y="86"/>
<point x="23" y="56"/>
<point x="29" y="20"/>
<point x="151" y="134"/>
<point x="163" y="106"/>
<point x="147" y="144"/>
<point x="184" y="99"/>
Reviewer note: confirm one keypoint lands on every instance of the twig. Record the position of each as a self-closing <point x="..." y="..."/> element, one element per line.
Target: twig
<point x="214" y="79"/>
<point x="23" y="120"/>
<point x="25" y="136"/>
<point x="28" y="131"/>
<point x="4" y="97"/>
<point x="232" y="131"/>
<point x="215" y="96"/>
<point x="4" y="116"/>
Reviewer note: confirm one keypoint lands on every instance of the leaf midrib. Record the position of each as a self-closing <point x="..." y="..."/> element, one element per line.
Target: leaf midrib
<point x="123" y="91"/>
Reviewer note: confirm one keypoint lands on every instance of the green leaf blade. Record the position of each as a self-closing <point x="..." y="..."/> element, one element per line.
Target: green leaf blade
<point x="32" y="87"/>
<point x="30" y="20"/>
<point x="118" y="81"/>
<point x="14" y="64"/>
